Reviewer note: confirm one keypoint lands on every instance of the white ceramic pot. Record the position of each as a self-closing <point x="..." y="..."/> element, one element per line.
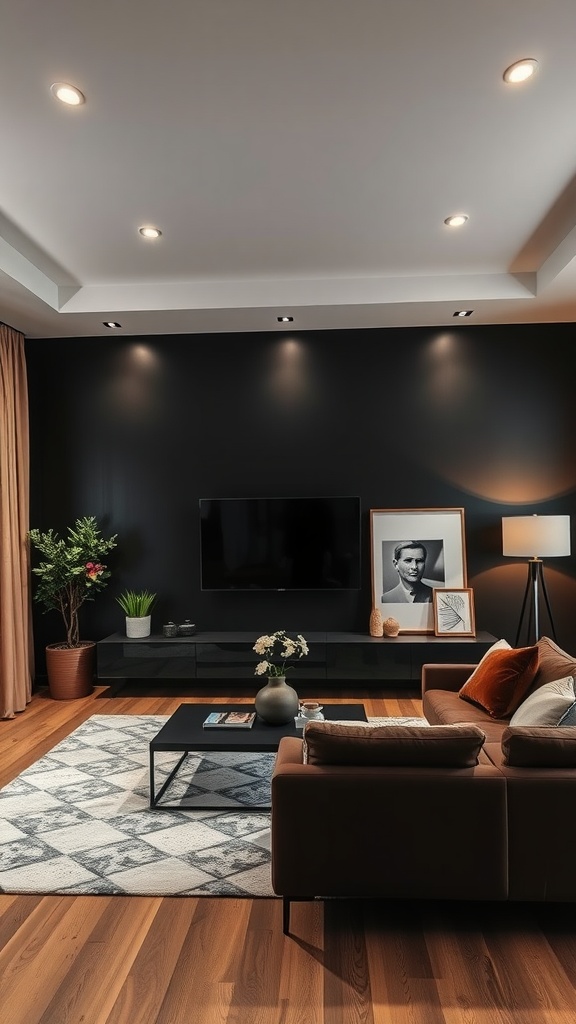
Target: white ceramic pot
<point x="138" y="627"/>
<point x="311" y="711"/>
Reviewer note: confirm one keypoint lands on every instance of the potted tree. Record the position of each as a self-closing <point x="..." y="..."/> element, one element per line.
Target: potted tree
<point x="137" y="604"/>
<point x="73" y="571"/>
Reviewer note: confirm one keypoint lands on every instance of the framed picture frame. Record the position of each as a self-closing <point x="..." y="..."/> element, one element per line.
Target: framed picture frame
<point x="414" y="552"/>
<point x="454" y="611"/>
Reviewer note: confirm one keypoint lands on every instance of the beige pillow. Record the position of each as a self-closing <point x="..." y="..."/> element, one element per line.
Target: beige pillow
<point x="547" y="705"/>
<point x="446" y="746"/>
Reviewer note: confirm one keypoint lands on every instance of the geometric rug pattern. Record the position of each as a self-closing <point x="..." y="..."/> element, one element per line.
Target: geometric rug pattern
<point x="78" y="821"/>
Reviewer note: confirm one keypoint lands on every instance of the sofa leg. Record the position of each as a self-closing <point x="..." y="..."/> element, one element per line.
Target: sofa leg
<point x="285" y="915"/>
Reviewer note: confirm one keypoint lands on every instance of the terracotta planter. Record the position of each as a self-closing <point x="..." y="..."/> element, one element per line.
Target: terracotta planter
<point x="70" y="670"/>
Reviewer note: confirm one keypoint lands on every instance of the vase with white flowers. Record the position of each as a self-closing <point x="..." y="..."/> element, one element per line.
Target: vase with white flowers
<point x="276" y="703"/>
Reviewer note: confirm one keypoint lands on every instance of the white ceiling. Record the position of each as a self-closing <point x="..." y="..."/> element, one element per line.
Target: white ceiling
<point x="299" y="156"/>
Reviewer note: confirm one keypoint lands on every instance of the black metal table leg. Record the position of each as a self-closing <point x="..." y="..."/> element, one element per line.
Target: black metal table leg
<point x="155" y="797"/>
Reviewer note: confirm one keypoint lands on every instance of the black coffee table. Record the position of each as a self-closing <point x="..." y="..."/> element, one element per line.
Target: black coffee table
<point x="183" y="732"/>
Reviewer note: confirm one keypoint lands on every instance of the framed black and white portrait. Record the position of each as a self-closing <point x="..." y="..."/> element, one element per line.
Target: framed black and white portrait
<point x="414" y="552"/>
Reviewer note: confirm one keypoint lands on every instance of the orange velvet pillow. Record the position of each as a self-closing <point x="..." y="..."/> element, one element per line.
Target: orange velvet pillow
<point x="499" y="684"/>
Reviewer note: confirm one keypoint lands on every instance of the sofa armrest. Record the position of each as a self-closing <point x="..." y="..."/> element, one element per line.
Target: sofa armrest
<point x="290" y="752"/>
<point x="445" y="677"/>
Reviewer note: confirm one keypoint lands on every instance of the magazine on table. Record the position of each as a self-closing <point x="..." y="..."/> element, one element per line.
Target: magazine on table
<point x="230" y="720"/>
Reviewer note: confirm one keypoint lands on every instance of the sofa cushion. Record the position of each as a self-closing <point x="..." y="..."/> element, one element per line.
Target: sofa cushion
<point x="547" y="705"/>
<point x="442" y="707"/>
<point x="553" y="663"/>
<point x="447" y="746"/>
<point x="501" y="680"/>
<point x="539" y="747"/>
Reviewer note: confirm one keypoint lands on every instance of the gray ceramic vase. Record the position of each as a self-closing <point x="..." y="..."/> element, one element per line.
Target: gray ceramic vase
<point x="277" y="703"/>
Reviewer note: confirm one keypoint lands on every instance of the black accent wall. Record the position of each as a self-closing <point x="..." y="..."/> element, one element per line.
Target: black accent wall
<point x="136" y="430"/>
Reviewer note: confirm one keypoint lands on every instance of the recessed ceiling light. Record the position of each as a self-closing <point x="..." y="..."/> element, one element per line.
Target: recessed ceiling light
<point x="463" y="312"/>
<point x="284" y="319"/>
<point x="150" y="232"/>
<point x="67" y="94"/>
<point x="456" y="220"/>
<point x="521" y="70"/>
<point x="111" y="323"/>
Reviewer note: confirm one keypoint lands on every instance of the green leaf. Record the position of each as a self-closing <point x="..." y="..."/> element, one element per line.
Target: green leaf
<point x="136" y="603"/>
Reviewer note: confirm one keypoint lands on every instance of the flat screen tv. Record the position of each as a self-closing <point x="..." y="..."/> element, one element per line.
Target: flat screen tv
<point x="280" y="543"/>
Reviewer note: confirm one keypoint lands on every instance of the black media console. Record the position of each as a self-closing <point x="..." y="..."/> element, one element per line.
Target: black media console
<point x="333" y="657"/>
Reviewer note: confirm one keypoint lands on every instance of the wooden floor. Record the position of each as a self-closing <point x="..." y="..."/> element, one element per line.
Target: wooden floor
<point x="136" y="960"/>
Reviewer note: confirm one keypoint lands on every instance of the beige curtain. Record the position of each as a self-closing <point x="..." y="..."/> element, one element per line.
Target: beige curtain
<point x="16" y="657"/>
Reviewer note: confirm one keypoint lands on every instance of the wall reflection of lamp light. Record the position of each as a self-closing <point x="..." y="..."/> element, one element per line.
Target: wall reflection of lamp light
<point x="535" y="537"/>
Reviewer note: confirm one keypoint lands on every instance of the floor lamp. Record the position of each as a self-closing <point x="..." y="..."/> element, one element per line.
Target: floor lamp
<point x="535" y="537"/>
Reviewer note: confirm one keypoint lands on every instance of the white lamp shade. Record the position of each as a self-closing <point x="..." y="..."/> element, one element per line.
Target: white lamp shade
<point x="535" y="536"/>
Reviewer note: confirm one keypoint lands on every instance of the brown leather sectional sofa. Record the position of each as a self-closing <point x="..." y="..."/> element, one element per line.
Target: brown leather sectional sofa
<point x="491" y="822"/>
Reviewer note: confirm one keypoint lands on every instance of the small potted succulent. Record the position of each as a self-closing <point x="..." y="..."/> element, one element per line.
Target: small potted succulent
<point x="137" y="605"/>
<point x="73" y="571"/>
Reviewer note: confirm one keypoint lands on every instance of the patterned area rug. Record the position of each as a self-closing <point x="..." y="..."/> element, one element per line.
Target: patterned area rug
<point x="78" y="820"/>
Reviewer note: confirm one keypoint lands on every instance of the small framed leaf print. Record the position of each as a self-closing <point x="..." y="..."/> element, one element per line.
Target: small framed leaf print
<point x="454" y="612"/>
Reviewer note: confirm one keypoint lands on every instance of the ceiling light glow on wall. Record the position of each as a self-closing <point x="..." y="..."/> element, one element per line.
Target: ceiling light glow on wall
<point x="150" y="232"/>
<point x="521" y="71"/>
<point x="67" y="94"/>
<point x="285" y="319"/>
<point x="456" y="220"/>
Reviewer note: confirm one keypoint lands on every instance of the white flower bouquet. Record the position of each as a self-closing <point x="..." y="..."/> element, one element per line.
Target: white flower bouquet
<point x="280" y="646"/>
